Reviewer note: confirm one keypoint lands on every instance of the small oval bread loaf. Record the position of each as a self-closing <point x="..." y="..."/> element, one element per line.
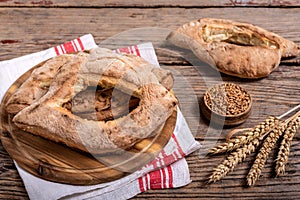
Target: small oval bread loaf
<point x="234" y="48"/>
<point x="47" y="117"/>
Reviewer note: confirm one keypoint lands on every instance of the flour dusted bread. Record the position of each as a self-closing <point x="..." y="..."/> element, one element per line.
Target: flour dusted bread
<point x="234" y="48"/>
<point x="39" y="81"/>
<point x="49" y="117"/>
<point x="37" y="84"/>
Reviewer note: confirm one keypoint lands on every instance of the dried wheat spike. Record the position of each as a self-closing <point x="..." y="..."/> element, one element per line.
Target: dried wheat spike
<point x="284" y="149"/>
<point x="232" y="160"/>
<point x="263" y="153"/>
<point x="256" y="132"/>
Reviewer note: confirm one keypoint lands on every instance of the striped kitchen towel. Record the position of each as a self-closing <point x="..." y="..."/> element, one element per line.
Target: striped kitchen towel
<point x="168" y="170"/>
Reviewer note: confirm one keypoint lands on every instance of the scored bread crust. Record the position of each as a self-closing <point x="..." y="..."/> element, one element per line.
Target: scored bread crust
<point x="220" y="43"/>
<point x="39" y="81"/>
<point x="102" y="105"/>
<point x="99" y="67"/>
<point x="37" y="84"/>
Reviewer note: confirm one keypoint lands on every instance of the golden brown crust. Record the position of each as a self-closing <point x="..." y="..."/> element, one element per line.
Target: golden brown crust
<point x="36" y="85"/>
<point x="253" y="62"/>
<point x="234" y="48"/>
<point x="48" y="118"/>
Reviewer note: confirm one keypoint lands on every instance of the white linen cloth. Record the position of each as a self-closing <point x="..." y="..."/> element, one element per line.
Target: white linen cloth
<point x="168" y="170"/>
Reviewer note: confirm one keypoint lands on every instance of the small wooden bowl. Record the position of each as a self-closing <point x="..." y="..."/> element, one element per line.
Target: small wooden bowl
<point x="227" y="119"/>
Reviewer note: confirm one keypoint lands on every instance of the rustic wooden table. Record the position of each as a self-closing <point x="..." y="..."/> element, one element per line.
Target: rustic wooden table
<point x="31" y="26"/>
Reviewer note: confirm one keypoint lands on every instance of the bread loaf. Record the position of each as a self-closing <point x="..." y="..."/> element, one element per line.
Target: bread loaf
<point x="238" y="49"/>
<point x="37" y="84"/>
<point x="49" y="118"/>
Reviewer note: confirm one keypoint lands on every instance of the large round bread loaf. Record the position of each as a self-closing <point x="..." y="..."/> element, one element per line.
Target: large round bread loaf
<point x="45" y="114"/>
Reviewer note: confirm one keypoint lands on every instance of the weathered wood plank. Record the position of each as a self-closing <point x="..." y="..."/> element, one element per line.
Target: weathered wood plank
<point x="233" y="185"/>
<point x="141" y="3"/>
<point x="11" y="184"/>
<point x="27" y="30"/>
<point x="285" y="3"/>
<point x="272" y="96"/>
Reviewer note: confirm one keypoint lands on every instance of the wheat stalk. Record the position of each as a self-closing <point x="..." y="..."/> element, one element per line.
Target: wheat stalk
<point x="264" y="152"/>
<point x="232" y="160"/>
<point x="257" y="132"/>
<point x="284" y="149"/>
<point x="269" y="131"/>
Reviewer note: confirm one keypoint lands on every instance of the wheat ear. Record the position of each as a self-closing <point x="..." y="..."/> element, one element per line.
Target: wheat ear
<point x="232" y="160"/>
<point x="284" y="149"/>
<point x="257" y="132"/>
<point x="263" y="153"/>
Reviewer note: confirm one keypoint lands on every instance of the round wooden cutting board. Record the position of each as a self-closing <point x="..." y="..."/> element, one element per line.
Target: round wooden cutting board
<point x="59" y="163"/>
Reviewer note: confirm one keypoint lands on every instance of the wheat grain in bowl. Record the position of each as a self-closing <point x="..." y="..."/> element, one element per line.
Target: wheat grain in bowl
<point x="229" y="103"/>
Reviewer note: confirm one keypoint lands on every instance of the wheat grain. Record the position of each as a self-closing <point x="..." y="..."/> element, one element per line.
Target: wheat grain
<point x="284" y="149"/>
<point x="232" y="160"/>
<point x="263" y="153"/>
<point x="228" y="99"/>
<point x="256" y="132"/>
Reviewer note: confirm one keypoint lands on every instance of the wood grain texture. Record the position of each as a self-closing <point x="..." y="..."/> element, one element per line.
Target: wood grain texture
<point x="27" y="30"/>
<point x="157" y="3"/>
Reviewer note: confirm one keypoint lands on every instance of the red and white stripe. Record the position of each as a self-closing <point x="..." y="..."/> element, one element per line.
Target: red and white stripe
<point x="159" y="179"/>
<point x="164" y="158"/>
<point x="69" y="47"/>
<point x="134" y="50"/>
